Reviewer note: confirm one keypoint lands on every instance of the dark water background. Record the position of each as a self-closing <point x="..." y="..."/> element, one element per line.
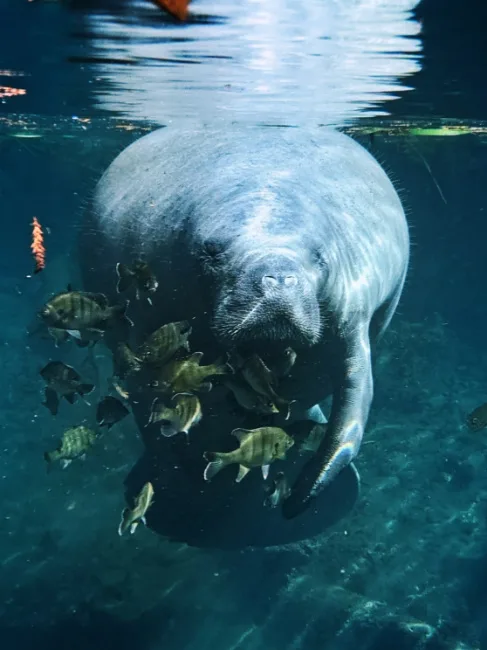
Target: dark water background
<point x="409" y="568"/>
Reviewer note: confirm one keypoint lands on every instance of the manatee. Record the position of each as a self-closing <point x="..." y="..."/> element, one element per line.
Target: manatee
<point x="262" y="239"/>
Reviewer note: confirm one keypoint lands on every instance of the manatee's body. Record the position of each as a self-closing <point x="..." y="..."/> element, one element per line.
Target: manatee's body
<point x="262" y="238"/>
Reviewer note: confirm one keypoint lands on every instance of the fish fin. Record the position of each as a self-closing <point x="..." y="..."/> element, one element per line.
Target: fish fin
<point x="65" y="462"/>
<point x="125" y="277"/>
<point x="223" y="367"/>
<point x="85" y="389"/>
<point x="52" y="400"/>
<point x="216" y="463"/>
<point x="143" y="520"/>
<point x="168" y="430"/>
<point x="149" y="301"/>
<point x="57" y="334"/>
<point x="133" y="526"/>
<point x="242" y="473"/>
<point x="76" y="334"/>
<point x="123" y="525"/>
<point x="206" y="386"/>
<point x="265" y="471"/>
<point x="70" y="397"/>
<point x="49" y="456"/>
<point x="241" y="434"/>
<point x="196" y="357"/>
<point x="99" y="298"/>
<point x="82" y="344"/>
<point x="120" y="313"/>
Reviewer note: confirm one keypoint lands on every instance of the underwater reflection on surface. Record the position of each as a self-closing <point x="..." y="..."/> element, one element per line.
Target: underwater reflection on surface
<point x="279" y="62"/>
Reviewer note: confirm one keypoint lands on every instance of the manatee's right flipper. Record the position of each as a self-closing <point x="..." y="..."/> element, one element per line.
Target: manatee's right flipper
<point x="352" y="396"/>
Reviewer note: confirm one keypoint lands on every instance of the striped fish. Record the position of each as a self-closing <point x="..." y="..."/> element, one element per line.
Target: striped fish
<point x="258" y="448"/>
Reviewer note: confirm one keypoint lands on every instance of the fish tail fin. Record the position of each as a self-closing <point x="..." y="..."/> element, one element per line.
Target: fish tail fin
<point x="223" y="367"/>
<point x="125" y="277"/>
<point x="124" y="521"/>
<point x="169" y="429"/>
<point x="216" y="462"/>
<point x="70" y="397"/>
<point x="51" y="401"/>
<point x="51" y="456"/>
<point x="119" y="313"/>
<point x="85" y="389"/>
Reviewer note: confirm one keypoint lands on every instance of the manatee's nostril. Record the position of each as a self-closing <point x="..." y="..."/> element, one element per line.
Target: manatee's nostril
<point x="270" y="281"/>
<point x="290" y="280"/>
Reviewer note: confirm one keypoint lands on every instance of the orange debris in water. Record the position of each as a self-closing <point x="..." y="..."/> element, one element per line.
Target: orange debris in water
<point x="37" y="246"/>
<point x="6" y="91"/>
<point x="178" y="8"/>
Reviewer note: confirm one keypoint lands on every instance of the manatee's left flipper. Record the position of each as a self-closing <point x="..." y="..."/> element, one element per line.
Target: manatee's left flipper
<point x="352" y="396"/>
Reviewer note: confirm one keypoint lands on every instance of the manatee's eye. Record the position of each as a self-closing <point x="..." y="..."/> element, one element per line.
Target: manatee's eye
<point x="318" y="257"/>
<point x="211" y="249"/>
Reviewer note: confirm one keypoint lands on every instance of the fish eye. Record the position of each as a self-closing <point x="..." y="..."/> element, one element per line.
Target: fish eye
<point x="474" y="421"/>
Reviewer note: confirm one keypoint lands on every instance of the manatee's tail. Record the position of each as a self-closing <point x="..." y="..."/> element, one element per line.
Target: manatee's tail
<point x="217" y="462"/>
<point x="126" y="277"/>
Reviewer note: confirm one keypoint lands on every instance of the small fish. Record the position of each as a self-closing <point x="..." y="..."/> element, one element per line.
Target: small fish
<point x="263" y="381"/>
<point x="62" y="380"/>
<point x="163" y="344"/>
<point x="186" y="375"/>
<point x="185" y="415"/>
<point x="110" y="411"/>
<point x="282" y="366"/>
<point x="137" y="275"/>
<point x="131" y="517"/>
<point x="125" y="361"/>
<point x="477" y="420"/>
<point x="258" y="448"/>
<point x="313" y="439"/>
<point x="74" y="444"/>
<point x="248" y="399"/>
<point x="278" y="491"/>
<point x="78" y="311"/>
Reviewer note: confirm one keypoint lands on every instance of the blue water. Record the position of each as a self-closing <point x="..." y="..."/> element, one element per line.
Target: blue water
<point x="408" y="568"/>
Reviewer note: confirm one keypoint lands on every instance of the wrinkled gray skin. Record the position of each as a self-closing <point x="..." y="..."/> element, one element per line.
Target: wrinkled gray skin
<point x="270" y="238"/>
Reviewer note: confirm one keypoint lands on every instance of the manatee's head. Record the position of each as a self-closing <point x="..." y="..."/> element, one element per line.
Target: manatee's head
<point x="268" y="295"/>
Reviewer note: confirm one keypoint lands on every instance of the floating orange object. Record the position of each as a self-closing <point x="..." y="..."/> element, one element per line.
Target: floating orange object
<point x="37" y="246"/>
<point x="178" y="8"/>
<point x="6" y="91"/>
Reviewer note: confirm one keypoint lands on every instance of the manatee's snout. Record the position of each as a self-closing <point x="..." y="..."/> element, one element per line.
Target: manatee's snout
<point x="276" y="275"/>
<point x="273" y="297"/>
<point x="279" y="282"/>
